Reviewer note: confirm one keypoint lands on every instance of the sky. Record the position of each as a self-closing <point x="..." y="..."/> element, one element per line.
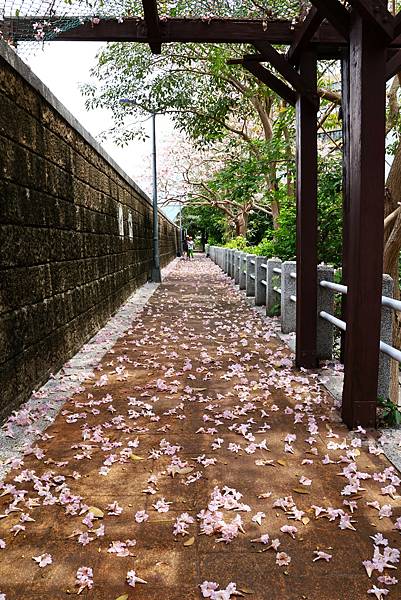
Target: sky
<point x="63" y="66"/>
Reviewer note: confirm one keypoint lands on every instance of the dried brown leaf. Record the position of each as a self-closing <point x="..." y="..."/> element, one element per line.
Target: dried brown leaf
<point x="190" y="541"/>
<point x="135" y="457"/>
<point x="96" y="512"/>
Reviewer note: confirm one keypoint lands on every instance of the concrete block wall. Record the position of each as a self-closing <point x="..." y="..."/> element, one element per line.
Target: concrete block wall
<point x="75" y="233"/>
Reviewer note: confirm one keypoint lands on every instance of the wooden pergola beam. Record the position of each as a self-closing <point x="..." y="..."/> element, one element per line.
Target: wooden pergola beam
<point x="377" y="14"/>
<point x="133" y="29"/>
<point x="336" y="14"/>
<point x="393" y="65"/>
<point x="306" y="192"/>
<point x="272" y="82"/>
<point x="152" y="25"/>
<point x="303" y="36"/>
<point x="367" y="106"/>
<point x="281" y="64"/>
<point x="397" y="25"/>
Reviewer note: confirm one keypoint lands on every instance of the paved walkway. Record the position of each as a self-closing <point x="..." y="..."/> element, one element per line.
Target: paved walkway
<point x="202" y="456"/>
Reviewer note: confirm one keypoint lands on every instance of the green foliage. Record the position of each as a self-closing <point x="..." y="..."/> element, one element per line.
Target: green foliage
<point x="282" y="242"/>
<point x="275" y="310"/>
<point x="389" y="413"/>
<point x="205" y="97"/>
<point x="204" y="220"/>
<point x="237" y="243"/>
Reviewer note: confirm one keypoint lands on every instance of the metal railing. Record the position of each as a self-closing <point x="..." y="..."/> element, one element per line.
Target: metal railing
<point x="386" y="301"/>
<point x="259" y="279"/>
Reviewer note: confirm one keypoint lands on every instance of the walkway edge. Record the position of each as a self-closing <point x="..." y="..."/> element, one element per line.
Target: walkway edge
<point x="46" y="402"/>
<point x="332" y="381"/>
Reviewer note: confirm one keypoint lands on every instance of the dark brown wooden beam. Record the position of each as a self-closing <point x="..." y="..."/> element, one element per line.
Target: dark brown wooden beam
<point x="281" y="64"/>
<point x="393" y="65"/>
<point x="397" y="24"/>
<point x="306" y="306"/>
<point x="304" y="34"/>
<point x="336" y="14"/>
<point x="272" y="82"/>
<point x="152" y="25"/>
<point x="365" y="223"/>
<point x="376" y="12"/>
<point x="132" y="29"/>
<point x="346" y="127"/>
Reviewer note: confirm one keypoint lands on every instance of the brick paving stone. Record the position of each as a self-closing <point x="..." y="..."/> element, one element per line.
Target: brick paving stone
<point x="196" y="357"/>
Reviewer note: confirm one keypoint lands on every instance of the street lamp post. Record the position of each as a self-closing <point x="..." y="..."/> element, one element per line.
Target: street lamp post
<point x="180" y="249"/>
<point x="155" y="273"/>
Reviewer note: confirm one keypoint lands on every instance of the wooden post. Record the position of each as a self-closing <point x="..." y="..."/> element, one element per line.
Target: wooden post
<point x="306" y="112"/>
<point x="346" y="166"/>
<point x="366" y="211"/>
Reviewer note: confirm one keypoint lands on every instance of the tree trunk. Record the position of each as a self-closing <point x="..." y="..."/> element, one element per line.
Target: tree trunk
<point x="392" y="247"/>
<point x="241" y="224"/>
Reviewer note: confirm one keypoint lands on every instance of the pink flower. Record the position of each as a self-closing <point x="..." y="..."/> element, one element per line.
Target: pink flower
<point x="322" y="556"/>
<point x="258" y="518"/>
<point x="43" y="560"/>
<point x="264" y="539"/>
<point x="345" y="522"/>
<point x="387" y="580"/>
<point x="120" y="548"/>
<point x="291" y="530"/>
<point x="385" y="511"/>
<point x="84" y="539"/>
<point x="282" y="559"/>
<point x="208" y="588"/>
<point x="379" y="593"/>
<point x="141" y="516"/>
<point x="379" y="540"/>
<point x="132" y="579"/>
<point x="84" y="578"/>
<point x="162" y="506"/>
<point x="181" y="524"/>
<point x="2" y="544"/>
<point x="114" y="508"/>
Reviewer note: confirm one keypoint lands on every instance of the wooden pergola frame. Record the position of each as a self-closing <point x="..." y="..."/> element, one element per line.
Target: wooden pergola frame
<point x="367" y="39"/>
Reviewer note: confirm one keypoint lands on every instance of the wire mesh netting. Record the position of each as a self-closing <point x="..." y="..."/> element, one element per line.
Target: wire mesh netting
<point x="41" y="20"/>
<point x="44" y="20"/>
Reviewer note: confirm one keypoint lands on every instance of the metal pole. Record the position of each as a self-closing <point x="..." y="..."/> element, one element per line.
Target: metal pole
<point x="180" y="248"/>
<point x="156" y="275"/>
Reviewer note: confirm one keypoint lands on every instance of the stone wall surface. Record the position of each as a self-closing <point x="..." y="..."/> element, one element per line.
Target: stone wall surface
<point x="75" y="234"/>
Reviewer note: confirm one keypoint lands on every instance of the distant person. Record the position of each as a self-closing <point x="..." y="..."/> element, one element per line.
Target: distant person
<point x="185" y="246"/>
<point x="191" y="246"/>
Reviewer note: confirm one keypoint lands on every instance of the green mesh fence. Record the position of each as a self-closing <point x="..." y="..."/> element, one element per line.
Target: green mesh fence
<point x="25" y="23"/>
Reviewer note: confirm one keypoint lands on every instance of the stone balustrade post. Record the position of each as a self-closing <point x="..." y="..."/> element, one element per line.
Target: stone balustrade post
<point x="250" y="274"/>
<point x="272" y="297"/>
<point x="325" y="302"/>
<point x="226" y="260"/>
<point x="288" y="292"/>
<point x="237" y="255"/>
<point x="386" y="336"/>
<point x="260" y="280"/>
<point x="231" y="263"/>
<point x="242" y="271"/>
